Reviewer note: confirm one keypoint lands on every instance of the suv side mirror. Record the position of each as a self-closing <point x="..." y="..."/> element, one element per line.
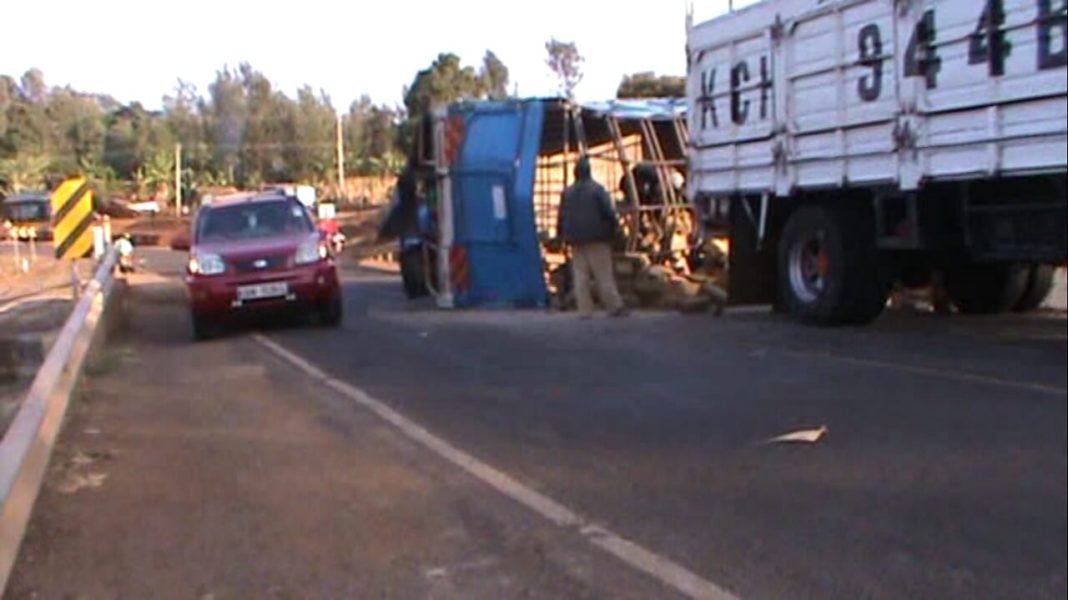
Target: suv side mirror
<point x="180" y="242"/>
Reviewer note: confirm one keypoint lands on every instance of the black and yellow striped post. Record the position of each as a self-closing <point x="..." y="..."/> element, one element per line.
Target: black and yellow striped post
<point x="72" y="219"/>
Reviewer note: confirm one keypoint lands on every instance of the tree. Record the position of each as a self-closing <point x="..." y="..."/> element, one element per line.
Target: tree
<point x="312" y="149"/>
<point x="78" y="130"/>
<point x="648" y="85"/>
<point x="97" y="170"/>
<point x="226" y="114"/>
<point x="379" y="138"/>
<point x="444" y="81"/>
<point x="134" y="136"/>
<point x="370" y="137"/>
<point x="262" y="158"/>
<point x="28" y="129"/>
<point x="154" y="177"/>
<point x="33" y="87"/>
<point x="243" y="130"/>
<point x="354" y="128"/>
<point x="494" y="77"/>
<point x="565" y="61"/>
<point x="45" y="133"/>
<point x="9" y="92"/>
<point x="24" y="172"/>
<point x="184" y="119"/>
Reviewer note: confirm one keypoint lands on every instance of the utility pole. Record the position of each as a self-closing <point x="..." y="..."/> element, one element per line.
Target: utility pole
<point x="178" y="179"/>
<point x="342" y="192"/>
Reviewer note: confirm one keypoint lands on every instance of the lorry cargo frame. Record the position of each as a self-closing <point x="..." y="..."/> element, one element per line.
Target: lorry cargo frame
<point x="941" y="124"/>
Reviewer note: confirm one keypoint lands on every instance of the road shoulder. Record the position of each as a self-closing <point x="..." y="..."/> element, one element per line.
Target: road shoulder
<point x="216" y="471"/>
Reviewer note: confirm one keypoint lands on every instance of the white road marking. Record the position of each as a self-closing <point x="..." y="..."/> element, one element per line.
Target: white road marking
<point x="659" y="567"/>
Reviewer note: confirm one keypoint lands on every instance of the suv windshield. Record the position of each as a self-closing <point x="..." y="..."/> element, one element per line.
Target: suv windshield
<point x="253" y="220"/>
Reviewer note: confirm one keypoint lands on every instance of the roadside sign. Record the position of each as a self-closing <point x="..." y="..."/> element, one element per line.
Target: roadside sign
<point x="72" y="220"/>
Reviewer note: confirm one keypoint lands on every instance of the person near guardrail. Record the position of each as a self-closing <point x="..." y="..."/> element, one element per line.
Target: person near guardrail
<point x="588" y="223"/>
<point x="125" y="248"/>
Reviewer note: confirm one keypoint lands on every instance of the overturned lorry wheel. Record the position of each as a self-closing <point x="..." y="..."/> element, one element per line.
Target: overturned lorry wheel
<point x="828" y="269"/>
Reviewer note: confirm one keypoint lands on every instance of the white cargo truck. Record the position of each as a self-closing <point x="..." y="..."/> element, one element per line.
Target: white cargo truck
<point x="850" y="144"/>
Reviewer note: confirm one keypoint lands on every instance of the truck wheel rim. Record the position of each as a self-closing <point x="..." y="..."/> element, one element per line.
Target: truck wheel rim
<point x="809" y="264"/>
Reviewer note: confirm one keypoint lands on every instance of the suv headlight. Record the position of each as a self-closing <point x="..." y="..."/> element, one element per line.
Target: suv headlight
<point x="310" y="252"/>
<point x="206" y="264"/>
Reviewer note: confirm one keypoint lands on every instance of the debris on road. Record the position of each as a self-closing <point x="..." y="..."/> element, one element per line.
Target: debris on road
<point x="80" y="458"/>
<point x="803" y="436"/>
<point x="643" y="284"/>
<point x="436" y="573"/>
<point x="669" y="287"/>
<point x="68" y="478"/>
<point x="74" y="482"/>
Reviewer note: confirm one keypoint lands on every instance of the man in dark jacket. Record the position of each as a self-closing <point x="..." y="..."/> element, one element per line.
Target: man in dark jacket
<point x="588" y="223"/>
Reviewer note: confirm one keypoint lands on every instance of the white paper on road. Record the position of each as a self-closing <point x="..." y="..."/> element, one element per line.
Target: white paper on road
<point x="803" y="436"/>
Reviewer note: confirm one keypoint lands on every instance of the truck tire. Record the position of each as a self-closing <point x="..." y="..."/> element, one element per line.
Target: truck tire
<point x="986" y="289"/>
<point x="829" y="271"/>
<point x="1039" y="285"/>
<point x="412" y="273"/>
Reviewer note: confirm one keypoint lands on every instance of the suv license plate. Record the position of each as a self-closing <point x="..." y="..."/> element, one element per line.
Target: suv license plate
<point x="259" y="292"/>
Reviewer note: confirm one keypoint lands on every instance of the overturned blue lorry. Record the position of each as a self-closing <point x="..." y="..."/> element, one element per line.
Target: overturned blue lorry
<point x="475" y="210"/>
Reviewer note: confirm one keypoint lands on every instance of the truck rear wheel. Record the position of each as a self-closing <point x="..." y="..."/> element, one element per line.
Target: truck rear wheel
<point x="1039" y="285"/>
<point x="829" y="270"/>
<point x="986" y="289"/>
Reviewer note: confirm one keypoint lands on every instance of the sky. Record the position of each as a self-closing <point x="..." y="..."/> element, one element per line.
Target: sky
<point x="136" y="50"/>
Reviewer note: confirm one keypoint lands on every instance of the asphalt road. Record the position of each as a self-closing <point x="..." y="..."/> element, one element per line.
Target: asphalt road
<point x="942" y="475"/>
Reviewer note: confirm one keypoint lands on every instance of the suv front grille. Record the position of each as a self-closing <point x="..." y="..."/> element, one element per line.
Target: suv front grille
<point x="261" y="264"/>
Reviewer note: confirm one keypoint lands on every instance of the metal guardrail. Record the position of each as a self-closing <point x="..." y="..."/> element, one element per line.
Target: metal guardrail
<point x="27" y="446"/>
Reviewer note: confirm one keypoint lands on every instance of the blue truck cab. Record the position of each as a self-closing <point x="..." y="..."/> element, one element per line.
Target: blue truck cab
<point x="464" y="213"/>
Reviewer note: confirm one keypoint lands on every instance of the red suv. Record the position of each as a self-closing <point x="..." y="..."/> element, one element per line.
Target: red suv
<point x="259" y="253"/>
